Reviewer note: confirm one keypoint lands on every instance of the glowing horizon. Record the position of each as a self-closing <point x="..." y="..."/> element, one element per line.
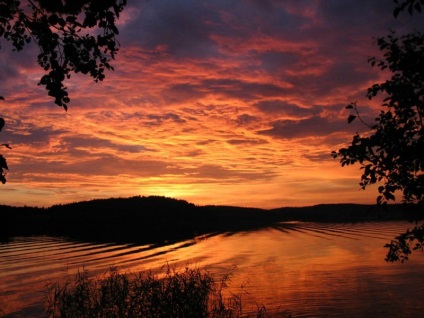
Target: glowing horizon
<point x="233" y="103"/>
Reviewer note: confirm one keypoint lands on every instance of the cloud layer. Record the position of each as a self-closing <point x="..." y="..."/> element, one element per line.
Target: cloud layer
<point x="216" y="102"/>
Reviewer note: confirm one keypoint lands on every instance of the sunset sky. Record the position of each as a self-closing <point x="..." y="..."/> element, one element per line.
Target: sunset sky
<point x="216" y="102"/>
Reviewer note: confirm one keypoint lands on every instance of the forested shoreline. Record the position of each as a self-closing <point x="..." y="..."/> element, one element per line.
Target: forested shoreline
<point x="155" y="219"/>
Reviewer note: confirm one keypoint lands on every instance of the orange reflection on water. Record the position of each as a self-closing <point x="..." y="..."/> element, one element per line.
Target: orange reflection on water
<point x="325" y="270"/>
<point x="308" y="269"/>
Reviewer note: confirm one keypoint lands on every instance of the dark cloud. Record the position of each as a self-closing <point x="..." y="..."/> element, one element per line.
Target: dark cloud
<point x="14" y="61"/>
<point x="314" y="126"/>
<point x="131" y="148"/>
<point x="265" y="5"/>
<point x="345" y="73"/>
<point x="284" y="108"/>
<point x="107" y="165"/>
<point x="9" y="71"/>
<point x="85" y="141"/>
<point x="225" y="175"/>
<point x="231" y="88"/>
<point x="187" y="28"/>
<point x="18" y="132"/>
<point x="113" y="166"/>
<point x="369" y="16"/>
<point x="330" y="80"/>
<point x="182" y="28"/>
<point x="194" y="153"/>
<point x="243" y="89"/>
<point x="319" y="156"/>
<point x="245" y="119"/>
<point x="246" y="142"/>
<point x="275" y="62"/>
<point x="156" y="120"/>
<point x="206" y="142"/>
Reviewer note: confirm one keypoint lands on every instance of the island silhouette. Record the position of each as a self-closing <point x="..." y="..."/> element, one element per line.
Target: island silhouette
<point x="155" y="219"/>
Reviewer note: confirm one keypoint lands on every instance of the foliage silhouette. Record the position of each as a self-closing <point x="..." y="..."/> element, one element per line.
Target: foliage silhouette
<point x="3" y="163"/>
<point x="392" y="151"/>
<point x="410" y="5"/>
<point x="57" y="28"/>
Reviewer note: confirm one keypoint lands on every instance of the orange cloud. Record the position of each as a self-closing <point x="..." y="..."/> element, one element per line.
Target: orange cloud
<point x="209" y="102"/>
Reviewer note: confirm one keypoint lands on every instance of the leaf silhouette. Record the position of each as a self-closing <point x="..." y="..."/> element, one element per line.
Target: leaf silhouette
<point x="7" y="146"/>
<point x="351" y="118"/>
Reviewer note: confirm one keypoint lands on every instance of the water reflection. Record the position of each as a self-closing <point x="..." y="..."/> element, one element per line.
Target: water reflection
<point x="309" y="269"/>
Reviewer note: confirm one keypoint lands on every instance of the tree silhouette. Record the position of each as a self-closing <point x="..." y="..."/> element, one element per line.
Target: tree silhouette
<point x="392" y="151"/>
<point x="3" y="163"/>
<point x="410" y="5"/>
<point x="61" y="30"/>
<point x="73" y="36"/>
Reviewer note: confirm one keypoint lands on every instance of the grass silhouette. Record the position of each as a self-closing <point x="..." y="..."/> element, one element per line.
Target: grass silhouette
<point x="188" y="293"/>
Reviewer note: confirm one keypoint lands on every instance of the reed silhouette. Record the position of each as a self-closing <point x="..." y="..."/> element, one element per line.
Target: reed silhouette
<point x="191" y="292"/>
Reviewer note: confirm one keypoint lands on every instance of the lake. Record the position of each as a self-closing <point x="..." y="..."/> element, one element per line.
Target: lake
<point x="302" y="268"/>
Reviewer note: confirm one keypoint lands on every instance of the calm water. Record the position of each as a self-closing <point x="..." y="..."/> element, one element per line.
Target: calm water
<point x="307" y="269"/>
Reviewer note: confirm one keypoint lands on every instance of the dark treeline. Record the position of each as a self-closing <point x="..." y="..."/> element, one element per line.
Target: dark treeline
<point x="155" y="219"/>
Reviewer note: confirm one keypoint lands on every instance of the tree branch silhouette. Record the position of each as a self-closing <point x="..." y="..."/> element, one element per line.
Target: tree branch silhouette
<point x="391" y="153"/>
<point x="72" y="37"/>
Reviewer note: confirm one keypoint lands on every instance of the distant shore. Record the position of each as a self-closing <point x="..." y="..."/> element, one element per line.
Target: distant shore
<point x="155" y="219"/>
